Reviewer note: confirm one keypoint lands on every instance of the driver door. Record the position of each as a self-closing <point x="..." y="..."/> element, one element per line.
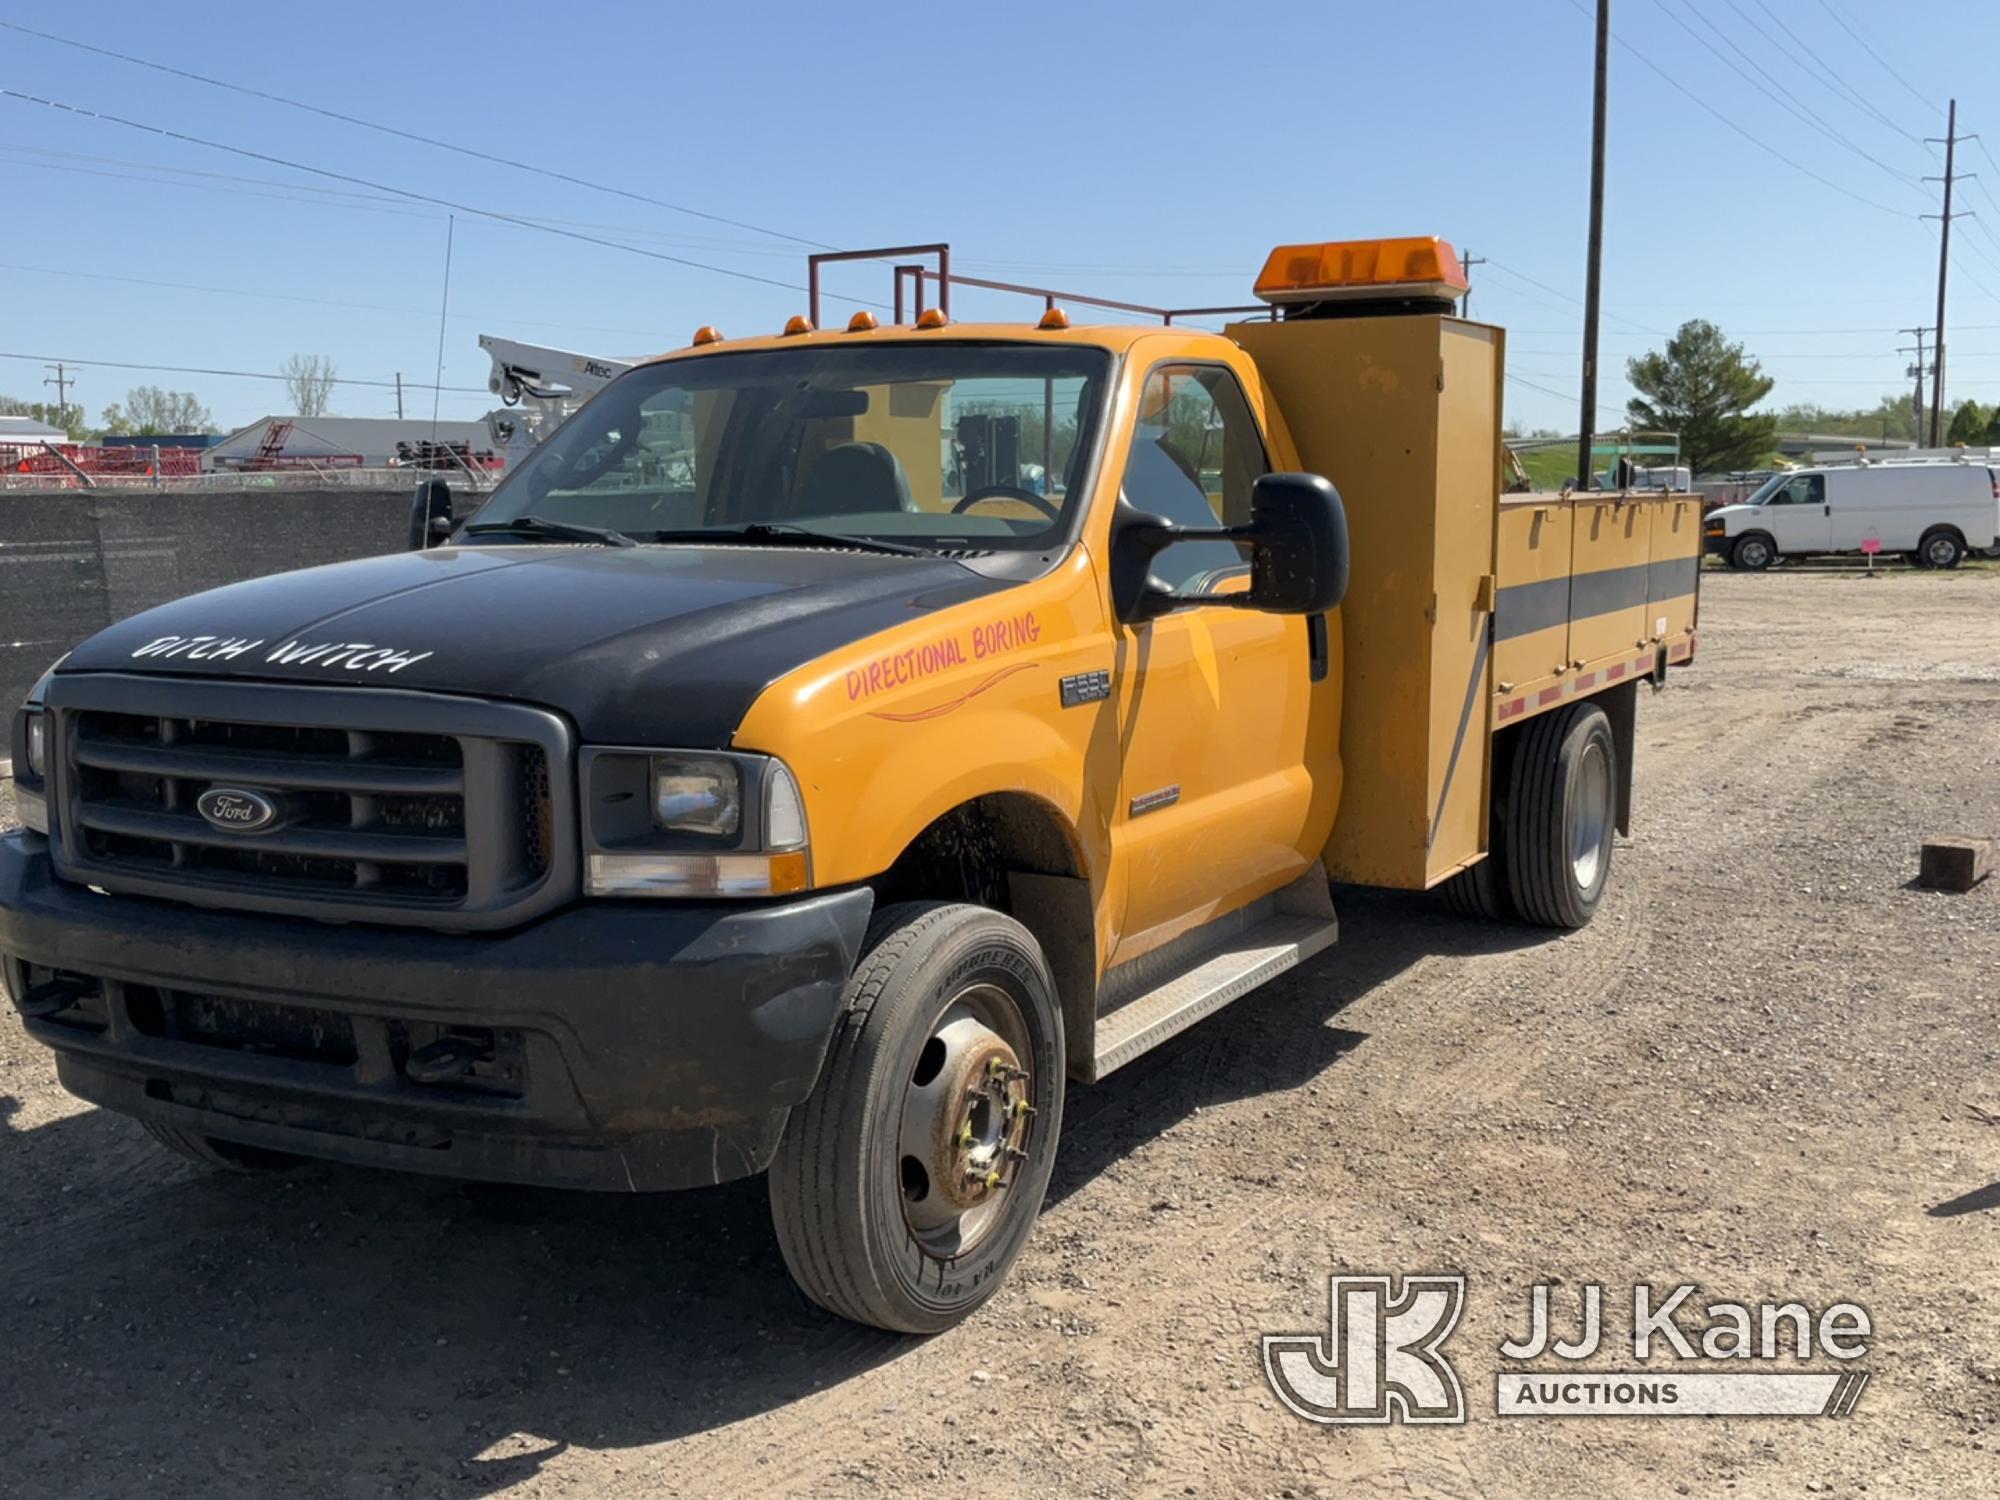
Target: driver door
<point x="1213" y="788"/>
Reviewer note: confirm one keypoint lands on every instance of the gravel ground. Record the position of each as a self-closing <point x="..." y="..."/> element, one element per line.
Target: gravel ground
<point x="1769" y="1067"/>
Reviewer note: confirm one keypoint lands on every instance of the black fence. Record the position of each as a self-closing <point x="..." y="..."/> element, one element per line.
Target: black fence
<point x="72" y="561"/>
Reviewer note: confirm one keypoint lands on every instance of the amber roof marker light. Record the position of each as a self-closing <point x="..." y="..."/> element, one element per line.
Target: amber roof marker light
<point x="797" y="324"/>
<point x="1055" y="318"/>
<point x="932" y="317"/>
<point x="1421" y="266"/>
<point x="863" y="322"/>
<point x="708" y="333"/>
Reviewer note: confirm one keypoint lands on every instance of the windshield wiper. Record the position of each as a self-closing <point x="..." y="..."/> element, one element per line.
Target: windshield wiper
<point x="786" y="534"/>
<point x="559" y="531"/>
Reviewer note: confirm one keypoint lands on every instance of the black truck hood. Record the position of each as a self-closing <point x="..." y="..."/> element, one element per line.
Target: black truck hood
<point x="638" y="645"/>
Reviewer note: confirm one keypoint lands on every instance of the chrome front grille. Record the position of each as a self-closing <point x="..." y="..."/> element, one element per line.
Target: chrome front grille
<point x="387" y="806"/>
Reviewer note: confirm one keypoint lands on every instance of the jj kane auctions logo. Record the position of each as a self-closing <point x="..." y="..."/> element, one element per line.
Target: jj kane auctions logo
<point x="1381" y="1358"/>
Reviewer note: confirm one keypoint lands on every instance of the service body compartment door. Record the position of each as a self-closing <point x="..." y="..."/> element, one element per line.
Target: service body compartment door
<point x="1402" y="414"/>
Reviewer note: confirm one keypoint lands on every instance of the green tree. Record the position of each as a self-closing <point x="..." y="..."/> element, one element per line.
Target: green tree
<point x="148" y="409"/>
<point x="1991" y="436"/>
<point x="1702" y="387"/>
<point x="1968" y="423"/>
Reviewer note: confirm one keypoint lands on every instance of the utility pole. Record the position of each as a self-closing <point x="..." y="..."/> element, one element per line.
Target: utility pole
<point x="1950" y="144"/>
<point x="62" y="381"/>
<point x="399" y="395"/>
<point x="1586" y="470"/>
<point x="1466" y="261"/>
<point x="1917" y="370"/>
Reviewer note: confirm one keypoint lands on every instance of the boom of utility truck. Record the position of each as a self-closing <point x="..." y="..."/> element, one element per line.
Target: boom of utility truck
<point x="822" y="746"/>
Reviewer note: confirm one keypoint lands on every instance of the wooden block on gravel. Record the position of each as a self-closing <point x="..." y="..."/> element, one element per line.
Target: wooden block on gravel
<point x="1955" y="864"/>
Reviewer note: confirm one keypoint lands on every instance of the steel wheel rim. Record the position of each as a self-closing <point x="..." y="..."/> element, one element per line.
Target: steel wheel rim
<point x="1756" y="554"/>
<point x="1590" y="814"/>
<point x="966" y="1123"/>
<point x="1939" y="552"/>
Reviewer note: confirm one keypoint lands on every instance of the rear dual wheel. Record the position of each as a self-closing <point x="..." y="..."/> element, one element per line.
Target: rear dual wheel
<point x="1550" y="859"/>
<point x="907" y="1185"/>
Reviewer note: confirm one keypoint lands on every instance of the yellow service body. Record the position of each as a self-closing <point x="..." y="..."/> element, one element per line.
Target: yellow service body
<point x="1218" y="770"/>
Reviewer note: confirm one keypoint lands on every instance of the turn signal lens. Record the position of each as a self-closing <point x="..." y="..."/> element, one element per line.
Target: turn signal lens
<point x="695" y="874"/>
<point x="38" y="753"/>
<point x="784" y="811"/>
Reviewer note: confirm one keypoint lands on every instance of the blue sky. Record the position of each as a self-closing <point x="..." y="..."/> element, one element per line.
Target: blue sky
<point x="1152" y="152"/>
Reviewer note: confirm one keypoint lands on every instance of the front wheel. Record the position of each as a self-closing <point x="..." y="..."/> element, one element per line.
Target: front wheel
<point x="906" y="1186"/>
<point x="1752" y="554"/>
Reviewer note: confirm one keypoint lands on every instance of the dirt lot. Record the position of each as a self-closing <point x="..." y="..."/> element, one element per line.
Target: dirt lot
<point x="1769" y="1067"/>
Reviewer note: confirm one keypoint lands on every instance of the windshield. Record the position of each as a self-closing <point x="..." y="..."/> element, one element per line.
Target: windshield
<point x="1763" y="493"/>
<point x="946" y="445"/>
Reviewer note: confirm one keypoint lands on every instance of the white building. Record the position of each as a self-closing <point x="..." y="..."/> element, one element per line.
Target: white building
<point x="28" y="430"/>
<point x="343" y="442"/>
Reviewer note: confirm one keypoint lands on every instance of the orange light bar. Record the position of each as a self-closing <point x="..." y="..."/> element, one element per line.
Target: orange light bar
<point x="1420" y="266"/>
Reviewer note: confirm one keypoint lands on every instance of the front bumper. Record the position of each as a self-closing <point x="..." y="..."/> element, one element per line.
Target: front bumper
<point x="628" y="1046"/>
<point x="1716" y="546"/>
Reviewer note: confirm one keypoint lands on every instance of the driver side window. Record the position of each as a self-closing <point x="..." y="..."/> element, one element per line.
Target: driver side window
<point x="1196" y="454"/>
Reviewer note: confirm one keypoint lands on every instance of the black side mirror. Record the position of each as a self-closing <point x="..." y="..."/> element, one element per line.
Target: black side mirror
<point x="1298" y="561"/>
<point x="430" y="514"/>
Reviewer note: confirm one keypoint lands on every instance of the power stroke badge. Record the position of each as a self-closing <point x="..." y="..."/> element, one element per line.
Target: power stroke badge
<point x="1382" y="1357"/>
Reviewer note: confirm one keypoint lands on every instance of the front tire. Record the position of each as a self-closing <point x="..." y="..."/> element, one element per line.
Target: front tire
<point x="906" y="1186"/>
<point x="1753" y="553"/>
<point x="1562" y="816"/>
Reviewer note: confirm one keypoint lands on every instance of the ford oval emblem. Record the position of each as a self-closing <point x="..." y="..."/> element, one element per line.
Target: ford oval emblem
<point x="237" y="809"/>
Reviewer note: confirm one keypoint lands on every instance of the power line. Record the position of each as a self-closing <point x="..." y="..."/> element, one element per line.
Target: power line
<point x="1768" y="81"/>
<point x="1507" y="270"/>
<point x="1566" y="396"/>
<point x="1762" y="145"/>
<point x="1826" y="68"/>
<point x="119" y="364"/>
<point x="1887" y="67"/>
<point x="410" y="135"/>
<point x="447" y="203"/>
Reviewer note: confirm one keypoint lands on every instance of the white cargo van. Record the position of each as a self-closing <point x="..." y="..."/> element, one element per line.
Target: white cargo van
<point x="1931" y="512"/>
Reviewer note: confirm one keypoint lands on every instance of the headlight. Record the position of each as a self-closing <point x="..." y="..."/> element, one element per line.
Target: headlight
<point x="692" y="824"/>
<point x="28" y="743"/>
<point x="697" y="794"/>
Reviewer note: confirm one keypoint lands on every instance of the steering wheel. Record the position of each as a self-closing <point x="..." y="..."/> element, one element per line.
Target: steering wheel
<point x="1007" y="492"/>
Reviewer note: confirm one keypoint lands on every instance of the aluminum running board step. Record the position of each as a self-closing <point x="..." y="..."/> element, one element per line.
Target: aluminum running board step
<point x="1281" y="932"/>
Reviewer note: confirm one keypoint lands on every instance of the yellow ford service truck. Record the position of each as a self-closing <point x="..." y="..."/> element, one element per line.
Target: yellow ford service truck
<point x="824" y="746"/>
